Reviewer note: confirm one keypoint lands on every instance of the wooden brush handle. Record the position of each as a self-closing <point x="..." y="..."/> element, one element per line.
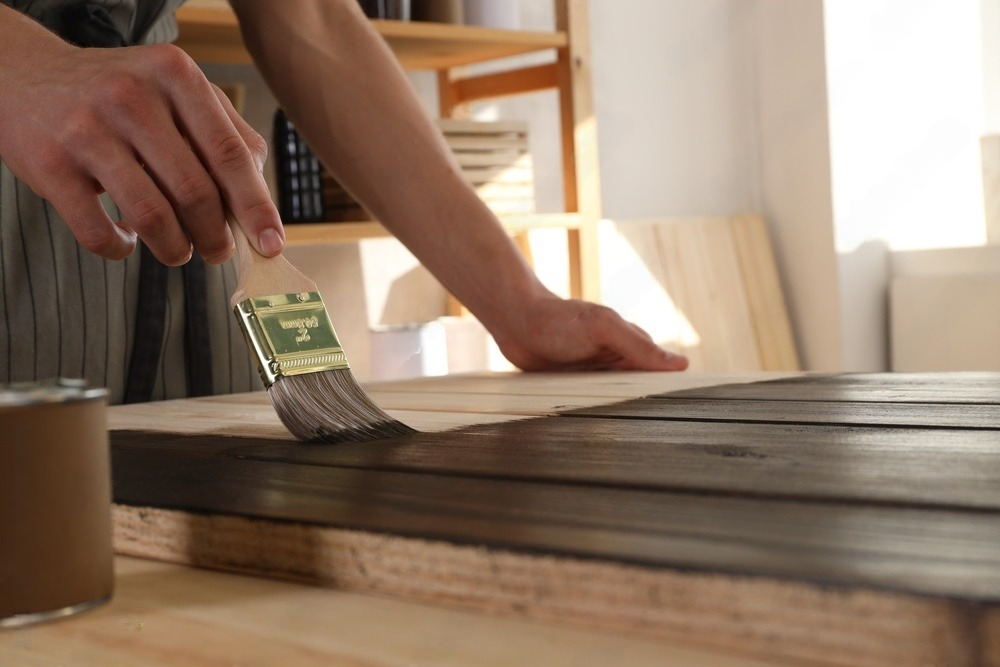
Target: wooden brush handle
<point x="264" y="276"/>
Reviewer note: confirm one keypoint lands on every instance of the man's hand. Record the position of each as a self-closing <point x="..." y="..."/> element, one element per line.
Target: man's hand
<point x="142" y="123"/>
<point x="559" y="334"/>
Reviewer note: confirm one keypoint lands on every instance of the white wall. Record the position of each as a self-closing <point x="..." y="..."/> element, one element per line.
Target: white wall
<point x="906" y="113"/>
<point x="673" y="93"/>
<point x="794" y="161"/>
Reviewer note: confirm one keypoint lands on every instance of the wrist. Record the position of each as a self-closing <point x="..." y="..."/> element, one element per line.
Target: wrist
<point x="508" y="316"/>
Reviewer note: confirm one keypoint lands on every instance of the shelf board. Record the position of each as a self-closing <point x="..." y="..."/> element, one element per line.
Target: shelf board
<point x="318" y="233"/>
<point x="210" y="33"/>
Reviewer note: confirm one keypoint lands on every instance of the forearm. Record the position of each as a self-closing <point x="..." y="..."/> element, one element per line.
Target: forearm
<point x="346" y="93"/>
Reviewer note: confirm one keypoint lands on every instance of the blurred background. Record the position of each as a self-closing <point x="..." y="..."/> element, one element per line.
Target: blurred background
<point x="863" y="133"/>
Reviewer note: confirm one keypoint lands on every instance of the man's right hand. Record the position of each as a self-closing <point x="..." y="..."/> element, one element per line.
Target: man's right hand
<point x="142" y="123"/>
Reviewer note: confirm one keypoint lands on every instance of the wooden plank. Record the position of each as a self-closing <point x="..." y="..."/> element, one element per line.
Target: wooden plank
<point x="697" y="261"/>
<point x="791" y="620"/>
<point x="768" y="313"/>
<point x="211" y="34"/>
<point x="719" y="300"/>
<point x="828" y="544"/>
<point x="847" y="413"/>
<point x="911" y="467"/>
<point x="959" y="387"/>
<point x="928" y="552"/>
<point x="607" y="384"/>
<point x="505" y="84"/>
<point x="578" y="131"/>
<point x="449" y="398"/>
<point x="434" y="46"/>
<point x="776" y="620"/>
<point x="340" y="232"/>
<point x="259" y="420"/>
<point x="164" y="615"/>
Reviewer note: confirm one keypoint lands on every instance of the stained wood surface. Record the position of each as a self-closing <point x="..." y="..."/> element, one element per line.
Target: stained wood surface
<point x="697" y="515"/>
<point x="846" y="413"/>
<point x="971" y="387"/>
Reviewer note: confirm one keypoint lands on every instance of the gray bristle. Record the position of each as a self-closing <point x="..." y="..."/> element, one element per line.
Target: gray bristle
<point x="330" y="406"/>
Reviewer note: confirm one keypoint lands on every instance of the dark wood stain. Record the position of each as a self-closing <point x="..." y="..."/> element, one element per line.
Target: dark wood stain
<point x="849" y="413"/>
<point x="661" y="482"/>
<point x="967" y="387"/>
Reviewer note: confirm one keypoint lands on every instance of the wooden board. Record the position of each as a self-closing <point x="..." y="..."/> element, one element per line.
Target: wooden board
<point x="967" y="388"/>
<point x="845" y="413"/>
<point x="815" y="541"/>
<point x="714" y="280"/>
<point x="165" y="615"/>
<point x="209" y="32"/>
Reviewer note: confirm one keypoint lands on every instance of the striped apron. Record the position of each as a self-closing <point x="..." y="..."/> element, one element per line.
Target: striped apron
<point x="66" y="312"/>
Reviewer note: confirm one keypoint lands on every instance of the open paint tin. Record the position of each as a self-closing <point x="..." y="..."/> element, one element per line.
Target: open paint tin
<point x="55" y="501"/>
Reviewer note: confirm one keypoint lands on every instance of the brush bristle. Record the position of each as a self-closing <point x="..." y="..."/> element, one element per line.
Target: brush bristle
<point x="330" y="406"/>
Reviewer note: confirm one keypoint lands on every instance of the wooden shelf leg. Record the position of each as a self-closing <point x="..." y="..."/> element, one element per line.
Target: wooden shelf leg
<point x="581" y="170"/>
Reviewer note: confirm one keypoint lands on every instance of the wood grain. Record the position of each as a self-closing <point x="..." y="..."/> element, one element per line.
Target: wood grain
<point x="911" y="467"/>
<point x="721" y="285"/>
<point x="963" y="387"/>
<point x="164" y="615"/>
<point x="858" y="524"/>
<point x="939" y="552"/>
<point x="783" y="622"/>
<point x="847" y="413"/>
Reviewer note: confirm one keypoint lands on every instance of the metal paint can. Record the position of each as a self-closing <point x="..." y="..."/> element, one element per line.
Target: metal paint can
<point x="55" y="501"/>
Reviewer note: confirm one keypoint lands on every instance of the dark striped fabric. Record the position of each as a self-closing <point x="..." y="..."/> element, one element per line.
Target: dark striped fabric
<point x="66" y="312"/>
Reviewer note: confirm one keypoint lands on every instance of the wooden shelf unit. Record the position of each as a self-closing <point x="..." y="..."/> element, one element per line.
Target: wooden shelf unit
<point x="209" y="32"/>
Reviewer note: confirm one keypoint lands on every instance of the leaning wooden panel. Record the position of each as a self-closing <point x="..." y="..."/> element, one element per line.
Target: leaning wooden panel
<point x="714" y="285"/>
<point x="768" y="312"/>
<point x="778" y="620"/>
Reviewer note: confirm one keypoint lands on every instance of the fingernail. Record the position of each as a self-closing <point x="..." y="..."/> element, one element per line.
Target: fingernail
<point x="270" y="242"/>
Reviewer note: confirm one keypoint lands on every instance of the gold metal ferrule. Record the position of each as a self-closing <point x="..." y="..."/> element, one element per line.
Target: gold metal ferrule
<point x="290" y="334"/>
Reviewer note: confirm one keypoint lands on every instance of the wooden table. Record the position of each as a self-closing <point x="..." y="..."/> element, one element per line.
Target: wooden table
<point x="836" y="520"/>
<point x="166" y="615"/>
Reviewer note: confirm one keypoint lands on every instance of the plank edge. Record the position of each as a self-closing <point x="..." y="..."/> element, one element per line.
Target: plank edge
<point x="746" y="615"/>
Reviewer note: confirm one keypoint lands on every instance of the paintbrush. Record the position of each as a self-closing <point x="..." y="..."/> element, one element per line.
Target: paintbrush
<point x="302" y="364"/>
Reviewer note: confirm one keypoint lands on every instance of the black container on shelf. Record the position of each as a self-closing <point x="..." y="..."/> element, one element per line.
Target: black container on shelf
<point x="397" y="10"/>
<point x="300" y="186"/>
